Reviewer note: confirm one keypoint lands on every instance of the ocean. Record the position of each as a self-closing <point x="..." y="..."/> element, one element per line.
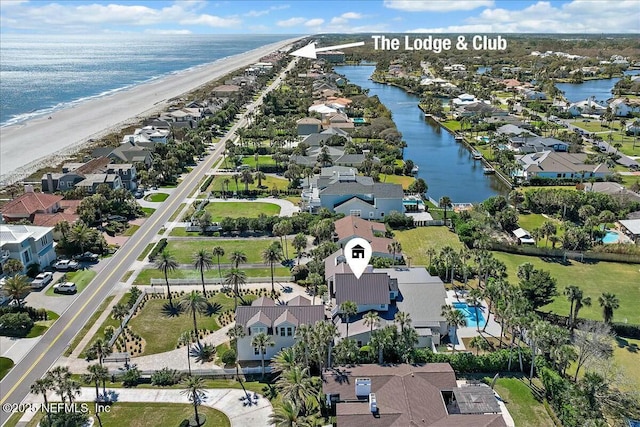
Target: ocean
<point x="39" y="75"/>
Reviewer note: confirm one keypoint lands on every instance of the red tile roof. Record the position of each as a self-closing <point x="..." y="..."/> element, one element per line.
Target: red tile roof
<point x="50" y="220"/>
<point x="29" y="203"/>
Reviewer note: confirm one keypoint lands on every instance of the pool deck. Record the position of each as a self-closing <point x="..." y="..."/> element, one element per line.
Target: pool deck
<point x="493" y="328"/>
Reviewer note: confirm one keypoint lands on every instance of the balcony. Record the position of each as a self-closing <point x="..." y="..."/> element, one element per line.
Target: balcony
<point x="4" y="255"/>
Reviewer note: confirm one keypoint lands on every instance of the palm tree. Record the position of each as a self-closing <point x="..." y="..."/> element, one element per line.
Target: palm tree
<point x="12" y="266"/>
<point x="235" y="333"/>
<point x="63" y="228"/>
<point x="185" y="340"/>
<point x="455" y="319"/>
<point x="296" y="385"/>
<point x="237" y="258"/>
<point x="303" y="334"/>
<point x="166" y="262"/>
<point x="348" y="309"/>
<point x="119" y="312"/>
<point x="474" y="298"/>
<point x="431" y="252"/>
<point x="225" y="184"/>
<point x="43" y="386"/>
<point x="479" y="343"/>
<point x="194" y="303"/>
<point x="194" y="390"/>
<point x="403" y="319"/>
<point x="261" y="342"/>
<point x="395" y="248"/>
<point x="574" y="294"/>
<point x="59" y="376"/>
<point x="286" y="359"/>
<point x="236" y="278"/>
<point x="609" y="302"/>
<point x="444" y="203"/>
<point x="97" y="373"/>
<point x="80" y="235"/>
<point x="300" y="244"/>
<point x="101" y="349"/>
<point x="287" y="414"/>
<point x="286" y="227"/>
<point x="202" y="260"/>
<point x="218" y="251"/>
<point x="371" y="319"/>
<point x="271" y="256"/>
<point x="16" y="287"/>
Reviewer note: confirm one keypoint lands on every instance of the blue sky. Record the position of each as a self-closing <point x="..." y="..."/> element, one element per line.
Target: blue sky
<point x="312" y="17"/>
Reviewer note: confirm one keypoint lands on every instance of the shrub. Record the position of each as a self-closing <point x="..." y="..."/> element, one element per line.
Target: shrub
<point x="15" y="324"/>
<point x="61" y="419"/>
<point x="159" y="247"/>
<point x="131" y="377"/>
<point x="108" y="332"/>
<point x="135" y="294"/>
<point x="165" y="376"/>
<point x="184" y="423"/>
<point x="206" y="183"/>
<point x="229" y="357"/>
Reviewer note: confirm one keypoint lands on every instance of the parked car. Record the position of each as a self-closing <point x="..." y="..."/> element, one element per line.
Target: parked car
<point x="87" y="257"/>
<point x="118" y="218"/>
<point x="138" y="194"/>
<point x="65" y="288"/>
<point x="42" y="280"/>
<point x="66" y="265"/>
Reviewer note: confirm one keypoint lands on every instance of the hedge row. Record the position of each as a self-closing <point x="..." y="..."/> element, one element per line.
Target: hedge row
<point x="158" y="248"/>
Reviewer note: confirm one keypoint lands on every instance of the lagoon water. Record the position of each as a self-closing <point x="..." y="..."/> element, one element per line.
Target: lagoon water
<point x="446" y="166"/>
<point x="39" y="75"/>
<point x="600" y="89"/>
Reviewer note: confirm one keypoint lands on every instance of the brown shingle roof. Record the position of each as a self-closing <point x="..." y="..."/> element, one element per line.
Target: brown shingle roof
<point x="29" y="203"/>
<point x="370" y="289"/>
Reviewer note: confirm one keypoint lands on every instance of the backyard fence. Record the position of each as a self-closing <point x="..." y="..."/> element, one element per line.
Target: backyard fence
<point x="191" y="282"/>
<point x="132" y="310"/>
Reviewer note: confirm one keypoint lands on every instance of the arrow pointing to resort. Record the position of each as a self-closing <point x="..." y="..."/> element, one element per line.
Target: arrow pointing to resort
<point x="310" y="50"/>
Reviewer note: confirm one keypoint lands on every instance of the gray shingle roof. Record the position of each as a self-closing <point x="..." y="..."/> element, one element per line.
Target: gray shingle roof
<point x="268" y="314"/>
<point x="370" y="289"/>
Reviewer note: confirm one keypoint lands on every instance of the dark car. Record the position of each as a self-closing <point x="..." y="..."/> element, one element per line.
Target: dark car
<point x="118" y="218"/>
<point x="87" y="257"/>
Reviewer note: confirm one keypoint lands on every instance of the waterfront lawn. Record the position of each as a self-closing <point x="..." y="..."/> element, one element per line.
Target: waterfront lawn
<point x="521" y="403"/>
<point x="5" y="366"/>
<point x="145" y="276"/>
<point x="403" y="180"/>
<point x="183" y="250"/>
<point x="142" y="414"/>
<point x="81" y="278"/>
<point x="416" y="241"/>
<point x="269" y="183"/>
<point x="625" y="356"/>
<point x="161" y="331"/>
<point x="593" y="278"/>
<point x="532" y="221"/>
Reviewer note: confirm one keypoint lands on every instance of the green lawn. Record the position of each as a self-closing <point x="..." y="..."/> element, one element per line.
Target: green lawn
<point x="88" y="325"/>
<point x="262" y="161"/>
<point x="221" y="210"/>
<point x="145" y="276"/>
<point x="405" y="181"/>
<point x="175" y="213"/>
<point x="148" y="211"/>
<point x="522" y="405"/>
<point x="5" y="365"/>
<point x="109" y="321"/>
<point x="531" y="221"/>
<point x="134" y="414"/>
<point x="183" y="250"/>
<point x="593" y="278"/>
<point x="81" y="278"/>
<point x="416" y="241"/>
<point x="156" y="197"/>
<point x="626" y="354"/>
<point x="131" y="229"/>
<point x="268" y="183"/>
<point x="41" y="326"/>
<point x="161" y="331"/>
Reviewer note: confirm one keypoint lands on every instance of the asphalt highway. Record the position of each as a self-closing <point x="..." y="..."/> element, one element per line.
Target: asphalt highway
<point x="14" y="387"/>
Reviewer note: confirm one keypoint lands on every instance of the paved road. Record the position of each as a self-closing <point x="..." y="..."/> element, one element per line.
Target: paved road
<point x="15" y="386"/>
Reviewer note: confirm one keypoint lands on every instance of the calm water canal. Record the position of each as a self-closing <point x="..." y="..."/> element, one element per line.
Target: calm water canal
<point x="446" y="166"/>
<point x="601" y="89"/>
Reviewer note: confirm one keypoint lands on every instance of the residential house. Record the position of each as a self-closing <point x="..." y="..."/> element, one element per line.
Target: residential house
<point x="308" y="125"/>
<point x="531" y="94"/>
<point x="28" y="244"/>
<point x="92" y="181"/>
<point x="127" y="174"/>
<point x="479" y="109"/>
<point x="588" y="106"/>
<point x="68" y="212"/>
<point x="242" y="81"/>
<point x="464" y="99"/>
<point x="279" y="321"/>
<point x="322" y="109"/>
<point x="622" y="107"/>
<point x="320" y="139"/>
<point x="355" y="195"/>
<point x="225" y="90"/>
<point x="373" y="232"/>
<point x="631" y="227"/>
<point x="150" y="134"/>
<point x="613" y="189"/>
<point x="332" y="56"/>
<point x="72" y="174"/>
<point x="408" y="395"/>
<point x="128" y="152"/>
<point x="27" y="205"/>
<point x="337" y="120"/>
<point x="372" y="291"/>
<point x="549" y="164"/>
<point x="538" y="144"/>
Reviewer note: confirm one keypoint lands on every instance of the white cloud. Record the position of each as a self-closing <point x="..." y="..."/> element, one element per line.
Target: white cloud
<point x="291" y="22"/>
<point x="211" y="21"/>
<point x="436" y="5"/>
<point x="314" y="22"/>
<point x="167" y="32"/>
<point x="351" y="15"/>
<point x="256" y="13"/>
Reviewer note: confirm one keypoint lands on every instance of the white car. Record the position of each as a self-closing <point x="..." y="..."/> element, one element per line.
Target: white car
<point x="66" y="265"/>
<point x="42" y="280"/>
<point x="65" y="288"/>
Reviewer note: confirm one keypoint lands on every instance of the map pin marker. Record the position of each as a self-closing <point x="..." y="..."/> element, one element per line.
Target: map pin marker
<point x="357" y="251"/>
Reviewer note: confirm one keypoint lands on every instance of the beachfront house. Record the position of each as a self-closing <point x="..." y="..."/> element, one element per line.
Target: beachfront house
<point x="552" y="165"/>
<point x="128" y="152"/>
<point x="28" y="244"/>
<point x="405" y="395"/>
<point x="27" y="205"/>
<point x="279" y="321"/>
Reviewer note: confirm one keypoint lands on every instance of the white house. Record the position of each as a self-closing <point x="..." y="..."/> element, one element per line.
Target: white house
<point x="623" y="107"/>
<point x="586" y="107"/>
<point x="279" y="322"/>
<point x="27" y="243"/>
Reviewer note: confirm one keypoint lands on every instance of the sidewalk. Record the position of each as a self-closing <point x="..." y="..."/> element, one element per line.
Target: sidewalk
<point x="229" y="401"/>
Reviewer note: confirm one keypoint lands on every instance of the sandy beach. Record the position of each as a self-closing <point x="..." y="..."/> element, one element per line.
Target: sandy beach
<point x="28" y="146"/>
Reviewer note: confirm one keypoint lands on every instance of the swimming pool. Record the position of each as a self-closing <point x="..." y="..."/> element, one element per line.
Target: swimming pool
<point x="470" y="314"/>
<point x="611" y="237"/>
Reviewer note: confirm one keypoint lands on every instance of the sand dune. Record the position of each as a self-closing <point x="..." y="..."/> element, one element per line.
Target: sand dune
<point x="28" y="146"/>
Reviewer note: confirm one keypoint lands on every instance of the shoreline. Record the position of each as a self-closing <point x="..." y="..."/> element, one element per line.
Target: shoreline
<point x="40" y="142"/>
